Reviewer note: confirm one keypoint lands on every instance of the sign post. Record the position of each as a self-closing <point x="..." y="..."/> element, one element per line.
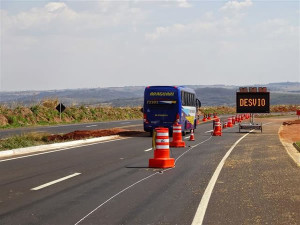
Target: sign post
<point x="298" y="113"/>
<point x="60" y="108"/>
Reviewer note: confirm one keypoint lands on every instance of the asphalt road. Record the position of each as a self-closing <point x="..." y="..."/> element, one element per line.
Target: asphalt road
<point x="69" y="127"/>
<point x="112" y="184"/>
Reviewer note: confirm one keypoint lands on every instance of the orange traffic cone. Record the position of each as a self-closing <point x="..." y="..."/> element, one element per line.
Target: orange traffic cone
<point x="177" y="136"/>
<point x="161" y="150"/>
<point x="204" y="118"/>
<point x="215" y="116"/>
<point x="225" y="125"/>
<point x="233" y="120"/>
<point x="217" y="129"/>
<point x="192" y="137"/>
<point x="209" y="117"/>
<point x="229" y="123"/>
<point x="198" y="120"/>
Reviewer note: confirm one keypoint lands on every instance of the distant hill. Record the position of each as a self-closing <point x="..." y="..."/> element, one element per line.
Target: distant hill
<point x="210" y="95"/>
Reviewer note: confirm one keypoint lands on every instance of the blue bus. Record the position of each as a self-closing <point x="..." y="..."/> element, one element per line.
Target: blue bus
<point x="163" y="105"/>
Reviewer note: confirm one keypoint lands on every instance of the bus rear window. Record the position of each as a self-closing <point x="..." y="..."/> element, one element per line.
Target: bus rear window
<point x="161" y="103"/>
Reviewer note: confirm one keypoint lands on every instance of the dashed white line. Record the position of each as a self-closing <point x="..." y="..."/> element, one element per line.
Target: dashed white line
<point x="200" y="213"/>
<point x="54" y="182"/>
<point x="187" y="137"/>
<point x="147" y="150"/>
<point x="92" y="125"/>
<point x="208" y="131"/>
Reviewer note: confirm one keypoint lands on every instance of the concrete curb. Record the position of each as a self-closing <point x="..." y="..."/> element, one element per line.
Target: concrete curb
<point x="41" y="148"/>
<point x="291" y="150"/>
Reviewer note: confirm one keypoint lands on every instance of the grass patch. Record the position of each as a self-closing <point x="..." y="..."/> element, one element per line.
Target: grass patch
<point x="297" y="143"/>
<point x="24" y="140"/>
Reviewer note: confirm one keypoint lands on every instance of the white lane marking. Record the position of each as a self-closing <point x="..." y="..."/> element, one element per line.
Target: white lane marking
<point x="208" y="131"/>
<point x="54" y="182"/>
<point x="192" y="148"/>
<point x="83" y="218"/>
<point x="92" y="125"/>
<point x="125" y="122"/>
<point x="200" y="213"/>
<point x="62" y="149"/>
<point x="187" y="137"/>
<point x="147" y="150"/>
<point x="138" y="182"/>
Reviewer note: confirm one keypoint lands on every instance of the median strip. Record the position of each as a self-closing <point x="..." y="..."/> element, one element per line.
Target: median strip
<point x="54" y="182"/>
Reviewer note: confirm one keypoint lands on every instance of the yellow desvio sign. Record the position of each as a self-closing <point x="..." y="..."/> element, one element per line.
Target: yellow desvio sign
<point x="253" y="102"/>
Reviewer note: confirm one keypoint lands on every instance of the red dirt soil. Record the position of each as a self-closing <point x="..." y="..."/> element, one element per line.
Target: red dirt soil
<point x="290" y="131"/>
<point x="83" y="134"/>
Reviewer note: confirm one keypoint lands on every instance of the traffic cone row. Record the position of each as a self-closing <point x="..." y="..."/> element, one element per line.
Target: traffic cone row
<point x="162" y="146"/>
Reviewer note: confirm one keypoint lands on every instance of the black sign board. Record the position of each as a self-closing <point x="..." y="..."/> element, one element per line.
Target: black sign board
<point x="60" y="107"/>
<point x="253" y="102"/>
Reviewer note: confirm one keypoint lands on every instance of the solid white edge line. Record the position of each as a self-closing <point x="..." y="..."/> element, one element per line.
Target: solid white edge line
<point x="92" y="125"/>
<point x="54" y="182"/>
<point x="200" y="213"/>
<point x="147" y="150"/>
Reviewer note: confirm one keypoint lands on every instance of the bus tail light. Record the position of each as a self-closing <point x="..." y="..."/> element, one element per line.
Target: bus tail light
<point x="177" y="118"/>
<point x="145" y="118"/>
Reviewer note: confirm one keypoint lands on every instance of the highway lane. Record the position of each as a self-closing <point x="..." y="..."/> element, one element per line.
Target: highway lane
<point x="66" y="128"/>
<point x="170" y="197"/>
<point x="69" y="127"/>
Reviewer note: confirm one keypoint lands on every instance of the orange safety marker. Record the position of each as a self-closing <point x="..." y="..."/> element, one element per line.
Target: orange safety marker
<point x="177" y="137"/>
<point x="162" y="151"/>
<point x="204" y="118"/>
<point x="215" y="116"/>
<point x="192" y="137"/>
<point x="225" y="125"/>
<point x="198" y="120"/>
<point x="233" y="120"/>
<point x="209" y="117"/>
<point x="217" y="129"/>
<point x="229" y="123"/>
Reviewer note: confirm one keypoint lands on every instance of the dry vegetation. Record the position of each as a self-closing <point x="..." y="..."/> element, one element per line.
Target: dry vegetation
<point x="46" y="114"/>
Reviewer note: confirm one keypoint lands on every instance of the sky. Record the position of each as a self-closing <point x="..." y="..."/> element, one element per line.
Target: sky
<point x="48" y="45"/>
